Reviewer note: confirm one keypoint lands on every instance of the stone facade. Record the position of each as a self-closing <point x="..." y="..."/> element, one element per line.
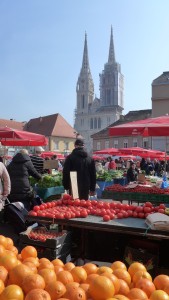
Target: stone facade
<point x="94" y="114"/>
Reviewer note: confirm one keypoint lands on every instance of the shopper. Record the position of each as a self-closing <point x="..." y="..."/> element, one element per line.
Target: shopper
<point x="37" y="160"/>
<point x="80" y="162"/>
<point x="132" y="173"/>
<point x="5" y="183"/>
<point x="19" y="170"/>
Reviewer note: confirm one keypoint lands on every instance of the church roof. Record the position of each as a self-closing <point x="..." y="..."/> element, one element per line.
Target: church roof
<point x="132" y="115"/>
<point x="12" y="124"/>
<point x="162" y="79"/>
<point x="52" y="125"/>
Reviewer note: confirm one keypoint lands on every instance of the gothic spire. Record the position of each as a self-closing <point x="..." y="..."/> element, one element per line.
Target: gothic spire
<point x="111" y="58"/>
<point x="85" y="62"/>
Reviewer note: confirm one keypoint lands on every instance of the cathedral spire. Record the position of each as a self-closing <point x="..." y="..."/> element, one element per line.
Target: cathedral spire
<point x="85" y="62"/>
<point x="111" y="58"/>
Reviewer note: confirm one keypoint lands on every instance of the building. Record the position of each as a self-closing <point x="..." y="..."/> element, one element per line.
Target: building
<point x="94" y="114"/>
<point x="102" y="140"/>
<point x="60" y="134"/>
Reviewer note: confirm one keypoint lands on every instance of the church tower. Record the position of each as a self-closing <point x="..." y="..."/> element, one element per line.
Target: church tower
<point x="111" y="82"/>
<point x="94" y="114"/>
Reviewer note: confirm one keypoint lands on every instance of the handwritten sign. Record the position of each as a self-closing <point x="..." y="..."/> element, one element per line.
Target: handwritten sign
<point x="73" y="178"/>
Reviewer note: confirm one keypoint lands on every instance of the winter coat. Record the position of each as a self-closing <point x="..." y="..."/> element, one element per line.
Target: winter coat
<point x="19" y="171"/>
<point x="5" y="185"/>
<point x="84" y="165"/>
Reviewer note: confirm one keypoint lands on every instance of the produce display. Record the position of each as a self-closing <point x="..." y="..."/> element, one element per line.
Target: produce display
<point x="67" y="208"/>
<point x="24" y="276"/>
<point x="42" y="234"/>
<point x="47" y="180"/>
<point x="137" y="189"/>
<point x="109" y="175"/>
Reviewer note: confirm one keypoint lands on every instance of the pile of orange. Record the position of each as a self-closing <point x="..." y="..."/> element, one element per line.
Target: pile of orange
<point x="23" y="276"/>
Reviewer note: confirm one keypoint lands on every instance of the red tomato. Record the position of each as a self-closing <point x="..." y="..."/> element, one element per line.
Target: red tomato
<point x="76" y="202"/>
<point x="119" y="205"/>
<point x="149" y="204"/>
<point x="161" y="210"/>
<point x="32" y="213"/>
<point x="66" y="197"/>
<point x="135" y="214"/>
<point x="42" y="207"/>
<point x="94" y="202"/>
<point x="162" y="206"/>
<point x="106" y="205"/>
<point x="100" y="204"/>
<point x="83" y="213"/>
<point x="119" y="215"/>
<point x="139" y="209"/>
<point x="113" y="205"/>
<point x="130" y="213"/>
<point x="36" y="208"/>
<point x="112" y="216"/>
<point x="147" y="209"/>
<point x="141" y="215"/>
<point x="106" y="218"/>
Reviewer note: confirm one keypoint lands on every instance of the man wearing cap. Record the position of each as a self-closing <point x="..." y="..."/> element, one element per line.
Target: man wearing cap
<point x="79" y="161"/>
<point x="37" y="160"/>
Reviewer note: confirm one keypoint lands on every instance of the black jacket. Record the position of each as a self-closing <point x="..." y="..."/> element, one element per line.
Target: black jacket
<point x="19" y="171"/>
<point x="132" y="174"/>
<point x="84" y="165"/>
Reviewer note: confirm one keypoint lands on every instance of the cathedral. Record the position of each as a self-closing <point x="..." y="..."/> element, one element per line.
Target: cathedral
<point x="93" y="114"/>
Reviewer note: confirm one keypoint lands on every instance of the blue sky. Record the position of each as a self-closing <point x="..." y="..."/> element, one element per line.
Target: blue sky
<point x="41" y="48"/>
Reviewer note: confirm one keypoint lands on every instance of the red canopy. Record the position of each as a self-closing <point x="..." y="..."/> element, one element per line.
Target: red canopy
<point x="14" y="137"/>
<point x="158" y="126"/>
<point x="141" y="151"/>
<point x="111" y="151"/>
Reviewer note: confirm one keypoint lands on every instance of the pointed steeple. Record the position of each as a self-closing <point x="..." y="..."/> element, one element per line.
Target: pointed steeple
<point x="85" y="62"/>
<point x="111" y="58"/>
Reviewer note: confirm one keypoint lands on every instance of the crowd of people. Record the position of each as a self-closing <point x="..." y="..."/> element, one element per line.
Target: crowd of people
<point x="15" y="184"/>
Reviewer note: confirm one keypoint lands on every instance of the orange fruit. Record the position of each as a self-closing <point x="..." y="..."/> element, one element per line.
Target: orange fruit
<point x="101" y="286"/>
<point x="141" y="274"/>
<point x="90" y="268"/>
<point x="79" y="274"/>
<point x="45" y="264"/>
<point x="71" y="285"/>
<point x="12" y="291"/>
<point x="2" y="286"/>
<point x="159" y="295"/>
<point x="137" y="293"/>
<point x="57" y="269"/>
<point x="115" y="281"/>
<point x="77" y="294"/>
<point x="48" y="275"/>
<point x="91" y="277"/>
<point x="104" y="269"/>
<point x="14" y="250"/>
<point x="124" y="288"/>
<point x="166" y="289"/>
<point x="32" y="281"/>
<point x="146" y="285"/>
<point x="118" y="265"/>
<point x="57" y="262"/>
<point x="8" y="261"/>
<point x="33" y="260"/>
<point x="56" y="289"/>
<point x="28" y="251"/>
<point x="2" y="250"/>
<point x="69" y="266"/>
<point x="161" y="281"/>
<point x="3" y="241"/>
<point x="134" y="267"/>
<point x="17" y="274"/>
<point x="3" y="274"/>
<point x="31" y="266"/>
<point x="84" y="286"/>
<point x="65" y="277"/>
<point x="122" y="274"/>
<point x="121" y="297"/>
<point x="43" y="259"/>
<point x="38" y="294"/>
<point x="9" y="243"/>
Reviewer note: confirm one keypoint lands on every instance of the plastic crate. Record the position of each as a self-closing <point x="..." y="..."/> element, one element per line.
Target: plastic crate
<point x="49" y="243"/>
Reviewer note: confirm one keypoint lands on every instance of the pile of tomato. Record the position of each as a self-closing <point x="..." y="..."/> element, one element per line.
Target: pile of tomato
<point x="42" y="234"/>
<point x="67" y="208"/>
<point x="137" y="189"/>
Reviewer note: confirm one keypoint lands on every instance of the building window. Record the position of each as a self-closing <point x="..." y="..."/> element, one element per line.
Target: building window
<point x="66" y="145"/>
<point x="99" y="122"/>
<point x="106" y="144"/>
<point x="56" y="146"/>
<point x="125" y="144"/>
<point x="116" y="143"/>
<point x="98" y="145"/>
<point x="145" y="143"/>
<point x="83" y="101"/>
<point x="135" y="142"/>
<point x="91" y="123"/>
<point x="95" y="123"/>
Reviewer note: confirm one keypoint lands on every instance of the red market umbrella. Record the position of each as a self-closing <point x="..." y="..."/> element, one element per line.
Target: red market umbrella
<point x="158" y="126"/>
<point x="14" y="137"/>
<point x="110" y="151"/>
<point x="51" y="153"/>
<point x="97" y="157"/>
<point x="141" y="151"/>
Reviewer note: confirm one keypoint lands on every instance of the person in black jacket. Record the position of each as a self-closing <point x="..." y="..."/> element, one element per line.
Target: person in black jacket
<point x="20" y="168"/>
<point x="84" y="165"/>
<point x="132" y="173"/>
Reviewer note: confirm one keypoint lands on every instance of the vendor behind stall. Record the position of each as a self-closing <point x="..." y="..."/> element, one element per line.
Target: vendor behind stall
<point x="132" y="173"/>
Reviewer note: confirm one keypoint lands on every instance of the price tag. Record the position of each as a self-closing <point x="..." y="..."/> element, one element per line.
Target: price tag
<point x="73" y="178"/>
